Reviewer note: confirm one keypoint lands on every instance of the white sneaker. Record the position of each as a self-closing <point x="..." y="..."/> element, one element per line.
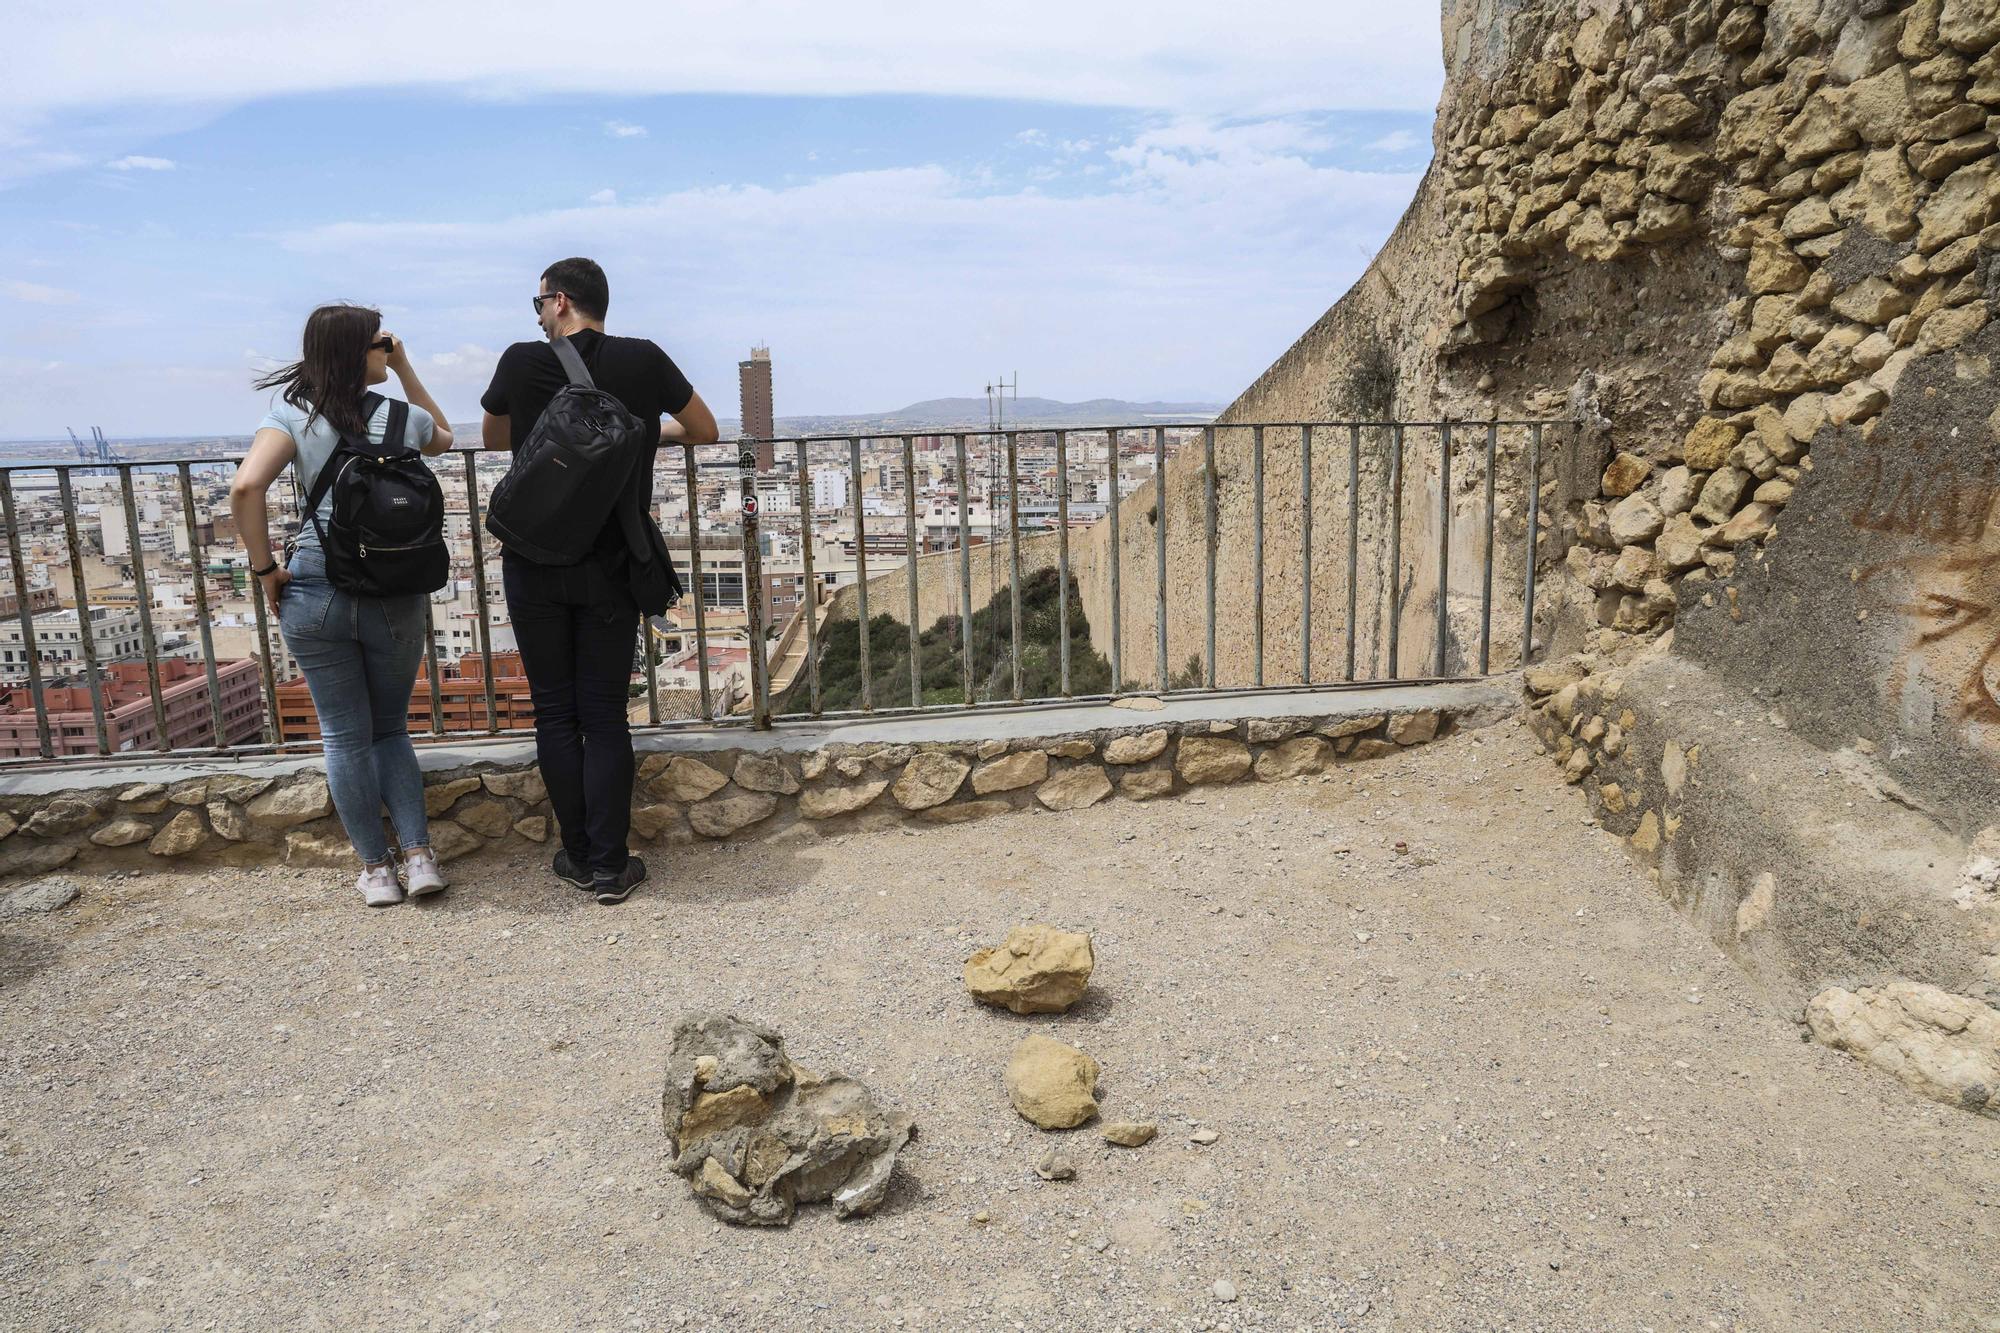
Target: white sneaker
<point x="421" y="872"/>
<point x="378" y="885"/>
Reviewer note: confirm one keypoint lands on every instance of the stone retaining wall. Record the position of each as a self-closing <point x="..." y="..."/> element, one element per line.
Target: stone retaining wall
<point x="682" y="796"/>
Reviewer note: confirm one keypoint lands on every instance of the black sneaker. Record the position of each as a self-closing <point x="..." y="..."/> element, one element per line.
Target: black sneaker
<point x="568" y="870"/>
<point x="617" y="888"/>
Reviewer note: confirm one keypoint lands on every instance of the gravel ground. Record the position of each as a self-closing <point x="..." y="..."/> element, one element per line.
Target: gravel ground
<point x="1491" y="1082"/>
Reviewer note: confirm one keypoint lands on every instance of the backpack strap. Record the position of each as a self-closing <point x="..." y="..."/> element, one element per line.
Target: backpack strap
<point x="572" y="363"/>
<point x="349" y="443"/>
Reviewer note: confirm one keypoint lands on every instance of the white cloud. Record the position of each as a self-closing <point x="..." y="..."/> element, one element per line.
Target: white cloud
<point x="1171" y="55"/>
<point x="619" y="129"/>
<point x="883" y="286"/>
<point x="606" y="196"/>
<point x="140" y="162"/>
<point x="1396" y="141"/>
<point x="34" y="293"/>
<point x="1034" y="138"/>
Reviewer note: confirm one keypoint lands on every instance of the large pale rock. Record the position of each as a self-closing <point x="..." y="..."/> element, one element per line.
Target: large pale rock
<point x="1708" y="444"/>
<point x="449" y="841"/>
<point x="1679" y="546"/>
<point x="1625" y="474"/>
<point x="525" y="785"/>
<point x="228" y="821"/>
<point x="765" y="772"/>
<point x="654" y="822"/>
<point x="1010" y="772"/>
<point x="317" y="847"/>
<point x="1635" y="519"/>
<point x="182" y="834"/>
<point x="1146" y="784"/>
<point x="720" y="816"/>
<point x="1136" y="749"/>
<point x="1350" y="726"/>
<point x="1973" y="26"/>
<point x="1885" y="196"/>
<point x="122" y="832"/>
<point x="932" y="778"/>
<point x="1959" y="207"/>
<point x="1074" y="788"/>
<point x="1039" y="970"/>
<point x="1203" y="759"/>
<point x="1051" y="1084"/>
<point x="1721" y="494"/>
<point x="236" y="787"/>
<point x="441" y="796"/>
<point x="687" y="779"/>
<point x="487" y="818"/>
<point x="286" y="806"/>
<point x="1944" y="1046"/>
<point x="755" y="1136"/>
<point x="143" y="798"/>
<point x="829" y="802"/>
<point x="1414" y="728"/>
<point x="535" y="828"/>
<point x="1294" y="758"/>
<point x="64" y="814"/>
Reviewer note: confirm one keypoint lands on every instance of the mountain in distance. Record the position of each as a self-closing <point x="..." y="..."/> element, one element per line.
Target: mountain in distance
<point x="971" y="413"/>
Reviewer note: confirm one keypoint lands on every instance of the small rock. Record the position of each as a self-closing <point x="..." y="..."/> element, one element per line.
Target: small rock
<point x="1054" y="1166"/>
<point x="1204" y="1136"/>
<point x="1225" y="1290"/>
<point x="1130" y="1133"/>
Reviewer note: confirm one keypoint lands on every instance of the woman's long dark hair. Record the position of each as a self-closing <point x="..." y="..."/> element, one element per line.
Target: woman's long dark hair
<point x="331" y="377"/>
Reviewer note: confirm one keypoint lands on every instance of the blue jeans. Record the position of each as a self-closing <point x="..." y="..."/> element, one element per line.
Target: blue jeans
<point x="360" y="657"/>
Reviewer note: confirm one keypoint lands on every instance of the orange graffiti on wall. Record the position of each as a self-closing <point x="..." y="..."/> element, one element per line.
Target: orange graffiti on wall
<point x="1947" y="596"/>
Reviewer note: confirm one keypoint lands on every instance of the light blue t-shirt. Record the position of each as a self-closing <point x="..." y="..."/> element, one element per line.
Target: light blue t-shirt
<point x="317" y="442"/>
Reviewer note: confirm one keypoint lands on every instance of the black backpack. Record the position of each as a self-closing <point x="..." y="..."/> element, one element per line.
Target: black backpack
<point x="384" y="536"/>
<point x="569" y="475"/>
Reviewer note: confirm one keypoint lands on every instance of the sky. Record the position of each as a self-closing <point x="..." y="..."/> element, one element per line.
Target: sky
<point x="904" y="201"/>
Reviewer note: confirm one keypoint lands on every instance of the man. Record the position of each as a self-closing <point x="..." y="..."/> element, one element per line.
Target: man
<point x="576" y="624"/>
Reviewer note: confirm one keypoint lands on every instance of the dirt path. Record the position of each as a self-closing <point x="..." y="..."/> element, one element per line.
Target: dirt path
<point x="1491" y="1083"/>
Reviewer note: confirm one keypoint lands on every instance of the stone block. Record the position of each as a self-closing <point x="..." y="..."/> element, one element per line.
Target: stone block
<point x="765" y="773"/>
<point x="122" y="832"/>
<point x="1145" y="784"/>
<point x="440" y="797"/>
<point x="932" y="778"/>
<point x="524" y="785"/>
<point x="687" y="779"/>
<point x="1010" y="772"/>
<point x="1414" y="728"/>
<point x="286" y="806"/>
<point x="486" y="817"/>
<point x="1206" y="759"/>
<point x="184" y="833"/>
<point x="830" y="802"/>
<point x="1293" y="758"/>
<point x="720" y="816"/>
<point x="1074" y="788"/>
<point x="1136" y="749"/>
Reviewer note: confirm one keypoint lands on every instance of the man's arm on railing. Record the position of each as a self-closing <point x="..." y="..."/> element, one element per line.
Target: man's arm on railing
<point x="269" y="452"/>
<point x="693" y="424"/>
<point x="496" y="432"/>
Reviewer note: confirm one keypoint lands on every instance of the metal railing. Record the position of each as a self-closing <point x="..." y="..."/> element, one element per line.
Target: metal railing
<point x="1375" y="477"/>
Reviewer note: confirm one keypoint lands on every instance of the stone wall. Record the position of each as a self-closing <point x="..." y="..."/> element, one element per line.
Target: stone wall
<point x="683" y="795"/>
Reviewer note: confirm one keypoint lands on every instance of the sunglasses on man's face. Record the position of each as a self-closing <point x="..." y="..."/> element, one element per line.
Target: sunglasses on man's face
<point x="546" y="296"/>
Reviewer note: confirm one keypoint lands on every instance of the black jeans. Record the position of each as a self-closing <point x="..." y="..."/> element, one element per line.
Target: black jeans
<point x="576" y="626"/>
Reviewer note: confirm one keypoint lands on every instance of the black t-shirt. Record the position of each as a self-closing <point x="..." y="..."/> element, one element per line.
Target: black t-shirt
<point x="635" y="371"/>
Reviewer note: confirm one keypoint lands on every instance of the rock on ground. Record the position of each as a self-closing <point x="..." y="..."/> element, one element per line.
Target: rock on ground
<point x="1052" y="1084"/>
<point x="755" y="1136"/>
<point x="1945" y="1046"/>
<point x="1039" y="970"/>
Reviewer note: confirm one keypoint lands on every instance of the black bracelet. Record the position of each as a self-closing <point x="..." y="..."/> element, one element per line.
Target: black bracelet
<point x="271" y="568"/>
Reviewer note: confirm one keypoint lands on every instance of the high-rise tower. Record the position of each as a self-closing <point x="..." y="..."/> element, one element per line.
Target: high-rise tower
<point x="753" y="379"/>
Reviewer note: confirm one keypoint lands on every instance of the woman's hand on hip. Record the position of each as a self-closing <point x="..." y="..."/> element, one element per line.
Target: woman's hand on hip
<point x="274" y="583"/>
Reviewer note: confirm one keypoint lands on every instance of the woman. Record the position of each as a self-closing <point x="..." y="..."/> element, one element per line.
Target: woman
<point x="359" y="653"/>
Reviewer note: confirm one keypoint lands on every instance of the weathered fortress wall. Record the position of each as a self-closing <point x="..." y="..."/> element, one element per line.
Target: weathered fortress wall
<point x="1751" y="248"/>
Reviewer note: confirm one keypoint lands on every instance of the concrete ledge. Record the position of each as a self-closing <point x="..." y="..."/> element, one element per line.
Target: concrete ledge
<point x="735" y="782"/>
